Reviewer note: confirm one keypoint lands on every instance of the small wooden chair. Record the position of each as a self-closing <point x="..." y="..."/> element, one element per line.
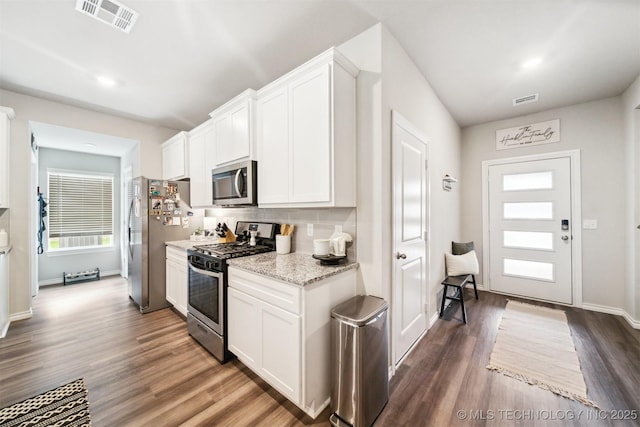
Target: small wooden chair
<point x="460" y="280"/>
<point x="458" y="283"/>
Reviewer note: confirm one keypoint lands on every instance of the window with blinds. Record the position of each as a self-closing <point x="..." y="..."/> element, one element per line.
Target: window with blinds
<point x="80" y="210"/>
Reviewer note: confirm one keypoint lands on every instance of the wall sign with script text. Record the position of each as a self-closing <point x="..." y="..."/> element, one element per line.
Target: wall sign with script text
<point x="533" y="134"/>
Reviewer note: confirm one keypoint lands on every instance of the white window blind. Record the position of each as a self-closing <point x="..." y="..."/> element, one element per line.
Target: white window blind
<point x="80" y="205"/>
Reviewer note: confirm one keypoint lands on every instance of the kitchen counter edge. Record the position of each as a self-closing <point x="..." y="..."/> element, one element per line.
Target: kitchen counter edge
<point x="295" y="268"/>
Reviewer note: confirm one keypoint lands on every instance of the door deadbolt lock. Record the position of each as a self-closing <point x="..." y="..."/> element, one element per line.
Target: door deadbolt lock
<point x="401" y="256"/>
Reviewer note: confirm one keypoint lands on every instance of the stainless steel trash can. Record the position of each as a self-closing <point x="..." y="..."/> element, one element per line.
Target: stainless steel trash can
<point x="359" y="361"/>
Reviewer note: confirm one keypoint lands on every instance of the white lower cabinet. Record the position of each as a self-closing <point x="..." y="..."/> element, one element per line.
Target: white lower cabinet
<point x="281" y="332"/>
<point x="243" y="326"/>
<point x="4" y="291"/>
<point x="177" y="277"/>
<point x="280" y="355"/>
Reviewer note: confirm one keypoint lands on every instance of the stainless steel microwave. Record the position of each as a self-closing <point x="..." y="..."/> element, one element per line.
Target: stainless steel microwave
<point x="236" y="184"/>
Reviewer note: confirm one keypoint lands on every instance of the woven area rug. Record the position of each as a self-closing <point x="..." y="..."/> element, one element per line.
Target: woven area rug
<point x="66" y="405"/>
<point x="534" y="345"/>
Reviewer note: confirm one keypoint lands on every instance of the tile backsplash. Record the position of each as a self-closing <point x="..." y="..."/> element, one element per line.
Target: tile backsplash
<point x="324" y="221"/>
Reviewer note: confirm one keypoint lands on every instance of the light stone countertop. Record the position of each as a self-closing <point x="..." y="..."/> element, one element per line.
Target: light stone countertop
<point x="295" y="268"/>
<point x="188" y="244"/>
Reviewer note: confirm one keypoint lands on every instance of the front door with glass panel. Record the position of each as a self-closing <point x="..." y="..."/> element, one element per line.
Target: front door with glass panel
<point x="530" y="229"/>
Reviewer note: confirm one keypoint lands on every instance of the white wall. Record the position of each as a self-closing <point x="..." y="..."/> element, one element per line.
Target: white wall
<point x="596" y="129"/>
<point x="405" y="89"/>
<point x="631" y="113"/>
<point x="29" y="108"/>
<point x="389" y="80"/>
<point x="365" y="51"/>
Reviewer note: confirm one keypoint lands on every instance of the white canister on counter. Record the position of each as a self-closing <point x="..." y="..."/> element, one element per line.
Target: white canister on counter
<point x="283" y="244"/>
<point x="4" y="238"/>
<point x="321" y="247"/>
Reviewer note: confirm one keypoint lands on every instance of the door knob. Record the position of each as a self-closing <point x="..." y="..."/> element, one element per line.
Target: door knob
<point x="565" y="237"/>
<point x="401" y="256"/>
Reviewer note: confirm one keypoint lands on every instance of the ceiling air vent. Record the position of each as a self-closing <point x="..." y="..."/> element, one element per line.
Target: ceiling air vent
<point x="110" y="12"/>
<point x="525" y="99"/>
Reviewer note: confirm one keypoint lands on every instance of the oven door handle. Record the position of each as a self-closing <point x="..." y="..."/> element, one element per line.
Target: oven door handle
<point x="205" y="272"/>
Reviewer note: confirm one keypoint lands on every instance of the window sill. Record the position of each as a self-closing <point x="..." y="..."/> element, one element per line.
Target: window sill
<point x="80" y="251"/>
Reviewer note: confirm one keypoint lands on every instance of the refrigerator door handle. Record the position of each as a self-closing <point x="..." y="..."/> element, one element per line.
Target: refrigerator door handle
<point x="129" y="228"/>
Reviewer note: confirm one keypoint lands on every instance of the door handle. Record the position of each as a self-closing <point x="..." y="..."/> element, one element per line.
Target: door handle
<point x="237" y="182"/>
<point x="401" y="256"/>
<point x="565" y="237"/>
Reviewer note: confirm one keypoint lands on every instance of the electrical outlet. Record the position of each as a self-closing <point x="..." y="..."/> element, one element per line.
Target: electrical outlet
<point x="310" y="230"/>
<point x="338" y="228"/>
<point x="590" y="224"/>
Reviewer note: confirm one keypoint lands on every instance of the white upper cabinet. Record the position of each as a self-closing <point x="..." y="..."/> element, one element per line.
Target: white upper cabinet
<point x="6" y="114"/>
<point x="201" y="161"/>
<point x="233" y="129"/>
<point x="175" y="157"/>
<point x="273" y="147"/>
<point x="306" y="135"/>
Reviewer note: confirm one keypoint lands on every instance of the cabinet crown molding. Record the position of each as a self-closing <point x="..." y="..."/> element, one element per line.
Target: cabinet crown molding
<point x="180" y="135"/>
<point x="201" y="128"/>
<point x="247" y="94"/>
<point x="329" y="55"/>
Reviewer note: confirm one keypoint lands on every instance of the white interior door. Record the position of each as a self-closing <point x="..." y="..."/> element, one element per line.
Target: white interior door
<point x="530" y="229"/>
<point x="409" y="294"/>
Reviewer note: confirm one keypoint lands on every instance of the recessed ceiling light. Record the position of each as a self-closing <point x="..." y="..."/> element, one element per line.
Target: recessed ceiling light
<point x="106" y="81"/>
<point x="532" y="62"/>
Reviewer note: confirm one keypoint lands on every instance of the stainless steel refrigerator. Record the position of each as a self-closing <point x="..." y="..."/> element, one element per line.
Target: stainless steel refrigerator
<point x="158" y="213"/>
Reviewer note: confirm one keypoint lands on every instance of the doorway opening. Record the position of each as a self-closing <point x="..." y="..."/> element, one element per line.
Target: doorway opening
<point x="72" y="153"/>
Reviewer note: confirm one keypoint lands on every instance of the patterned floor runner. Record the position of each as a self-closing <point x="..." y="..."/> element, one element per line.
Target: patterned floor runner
<point x="66" y="405"/>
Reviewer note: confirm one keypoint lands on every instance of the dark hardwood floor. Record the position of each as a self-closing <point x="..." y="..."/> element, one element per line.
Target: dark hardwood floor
<point x="145" y="370"/>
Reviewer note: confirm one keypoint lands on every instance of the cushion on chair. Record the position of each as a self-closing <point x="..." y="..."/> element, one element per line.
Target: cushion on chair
<point x="458" y="248"/>
<point x="458" y="265"/>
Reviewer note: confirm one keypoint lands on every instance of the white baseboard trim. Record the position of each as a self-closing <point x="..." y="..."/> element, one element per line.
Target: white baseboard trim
<point x="49" y="282"/>
<point x="5" y="328"/>
<point x="613" y="310"/>
<point x="434" y="318"/>
<point x="21" y="315"/>
<point x="635" y="324"/>
<point x="58" y="280"/>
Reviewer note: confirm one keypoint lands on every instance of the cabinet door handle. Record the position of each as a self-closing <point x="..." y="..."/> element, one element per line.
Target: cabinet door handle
<point x="401" y="256"/>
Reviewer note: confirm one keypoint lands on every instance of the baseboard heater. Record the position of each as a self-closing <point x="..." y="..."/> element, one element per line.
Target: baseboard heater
<point x="81" y="276"/>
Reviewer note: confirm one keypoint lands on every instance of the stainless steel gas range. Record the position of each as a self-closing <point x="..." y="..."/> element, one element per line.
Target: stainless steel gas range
<point x="207" y="305"/>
